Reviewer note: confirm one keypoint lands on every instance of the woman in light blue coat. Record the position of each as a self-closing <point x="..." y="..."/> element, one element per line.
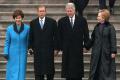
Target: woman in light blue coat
<point x="15" y="49"/>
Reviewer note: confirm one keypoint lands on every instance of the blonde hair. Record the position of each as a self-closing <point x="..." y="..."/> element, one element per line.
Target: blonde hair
<point x="105" y="14"/>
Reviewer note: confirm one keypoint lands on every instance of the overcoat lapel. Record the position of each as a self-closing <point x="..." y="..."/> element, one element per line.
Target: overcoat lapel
<point x="75" y="22"/>
<point x="37" y="23"/>
<point x="44" y="26"/>
<point x="68" y="23"/>
<point x="16" y="30"/>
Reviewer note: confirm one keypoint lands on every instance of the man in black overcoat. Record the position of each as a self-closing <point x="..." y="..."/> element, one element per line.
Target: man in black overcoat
<point x="73" y="36"/>
<point x="43" y="44"/>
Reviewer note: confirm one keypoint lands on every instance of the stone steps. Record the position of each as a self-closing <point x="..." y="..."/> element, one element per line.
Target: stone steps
<point x="57" y="64"/>
<point x="3" y="33"/>
<point x="30" y="73"/>
<point x="45" y="79"/>
<point x="97" y="2"/>
<point x="50" y="7"/>
<point x="30" y="7"/>
<point x="43" y="1"/>
<point x="91" y="23"/>
<point x="2" y="40"/>
<point x="58" y="58"/>
<point x="2" y="46"/>
<point x="54" y="79"/>
<point x="32" y="1"/>
<point x="55" y="9"/>
<point x="56" y="15"/>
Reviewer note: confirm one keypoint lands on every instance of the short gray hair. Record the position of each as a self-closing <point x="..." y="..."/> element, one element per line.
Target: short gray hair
<point x="70" y="5"/>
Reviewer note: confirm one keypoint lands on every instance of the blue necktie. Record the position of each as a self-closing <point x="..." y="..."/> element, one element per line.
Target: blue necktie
<point x="41" y="23"/>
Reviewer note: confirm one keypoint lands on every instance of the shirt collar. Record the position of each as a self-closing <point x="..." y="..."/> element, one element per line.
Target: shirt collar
<point x="73" y="17"/>
<point x="43" y="19"/>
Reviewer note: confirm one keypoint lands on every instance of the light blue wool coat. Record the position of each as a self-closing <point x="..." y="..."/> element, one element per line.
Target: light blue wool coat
<point x="16" y="50"/>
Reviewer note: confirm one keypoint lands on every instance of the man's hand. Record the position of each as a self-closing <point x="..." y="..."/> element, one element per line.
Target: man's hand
<point x="30" y="51"/>
<point x="85" y="50"/>
<point x="56" y="52"/>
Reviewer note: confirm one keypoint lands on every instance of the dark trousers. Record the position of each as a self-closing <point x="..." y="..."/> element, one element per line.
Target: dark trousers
<point x="41" y="77"/>
<point x="80" y="5"/>
<point x="102" y="4"/>
<point x="73" y="78"/>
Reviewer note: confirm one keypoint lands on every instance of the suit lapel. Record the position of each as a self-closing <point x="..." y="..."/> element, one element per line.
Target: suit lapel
<point x="68" y="23"/>
<point x="75" y="22"/>
<point x="37" y="23"/>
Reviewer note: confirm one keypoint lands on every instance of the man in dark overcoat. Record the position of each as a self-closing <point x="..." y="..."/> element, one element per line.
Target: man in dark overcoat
<point x="43" y="43"/>
<point x="73" y="32"/>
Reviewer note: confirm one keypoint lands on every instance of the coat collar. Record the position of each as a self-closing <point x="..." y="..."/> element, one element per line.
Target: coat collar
<point x="16" y="30"/>
<point x="105" y="23"/>
<point x="75" y="20"/>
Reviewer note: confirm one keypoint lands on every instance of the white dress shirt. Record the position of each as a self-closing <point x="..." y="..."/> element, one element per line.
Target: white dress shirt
<point x="73" y="19"/>
<point x="43" y="21"/>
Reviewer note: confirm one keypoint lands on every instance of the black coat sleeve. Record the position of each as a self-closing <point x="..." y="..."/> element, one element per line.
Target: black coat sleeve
<point x="91" y="40"/>
<point x="113" y="40"/>
<point x="59" y="34"/>
<point x="30" y="45"/>
<point x="55" y="30"/>
<point x="86" y="33"/>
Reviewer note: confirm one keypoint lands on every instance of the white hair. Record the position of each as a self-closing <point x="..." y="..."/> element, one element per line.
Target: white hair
<point x="70" y="5"/>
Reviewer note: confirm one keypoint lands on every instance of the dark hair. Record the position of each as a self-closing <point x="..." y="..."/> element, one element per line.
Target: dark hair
<point x="41" y="6"/>
<point x="18" y="13"/>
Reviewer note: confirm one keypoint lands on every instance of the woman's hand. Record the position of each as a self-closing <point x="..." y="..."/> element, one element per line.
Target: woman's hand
<point x="6" y="57"/>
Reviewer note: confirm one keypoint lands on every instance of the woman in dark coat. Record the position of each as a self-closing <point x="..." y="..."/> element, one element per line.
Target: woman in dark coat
<point x="103" y="42"/>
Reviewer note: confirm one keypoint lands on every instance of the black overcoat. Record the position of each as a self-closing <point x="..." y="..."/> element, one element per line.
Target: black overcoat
<point x="103" y="44"/>
<point x="71" y="43"/>
<point x="43" y="42"/>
